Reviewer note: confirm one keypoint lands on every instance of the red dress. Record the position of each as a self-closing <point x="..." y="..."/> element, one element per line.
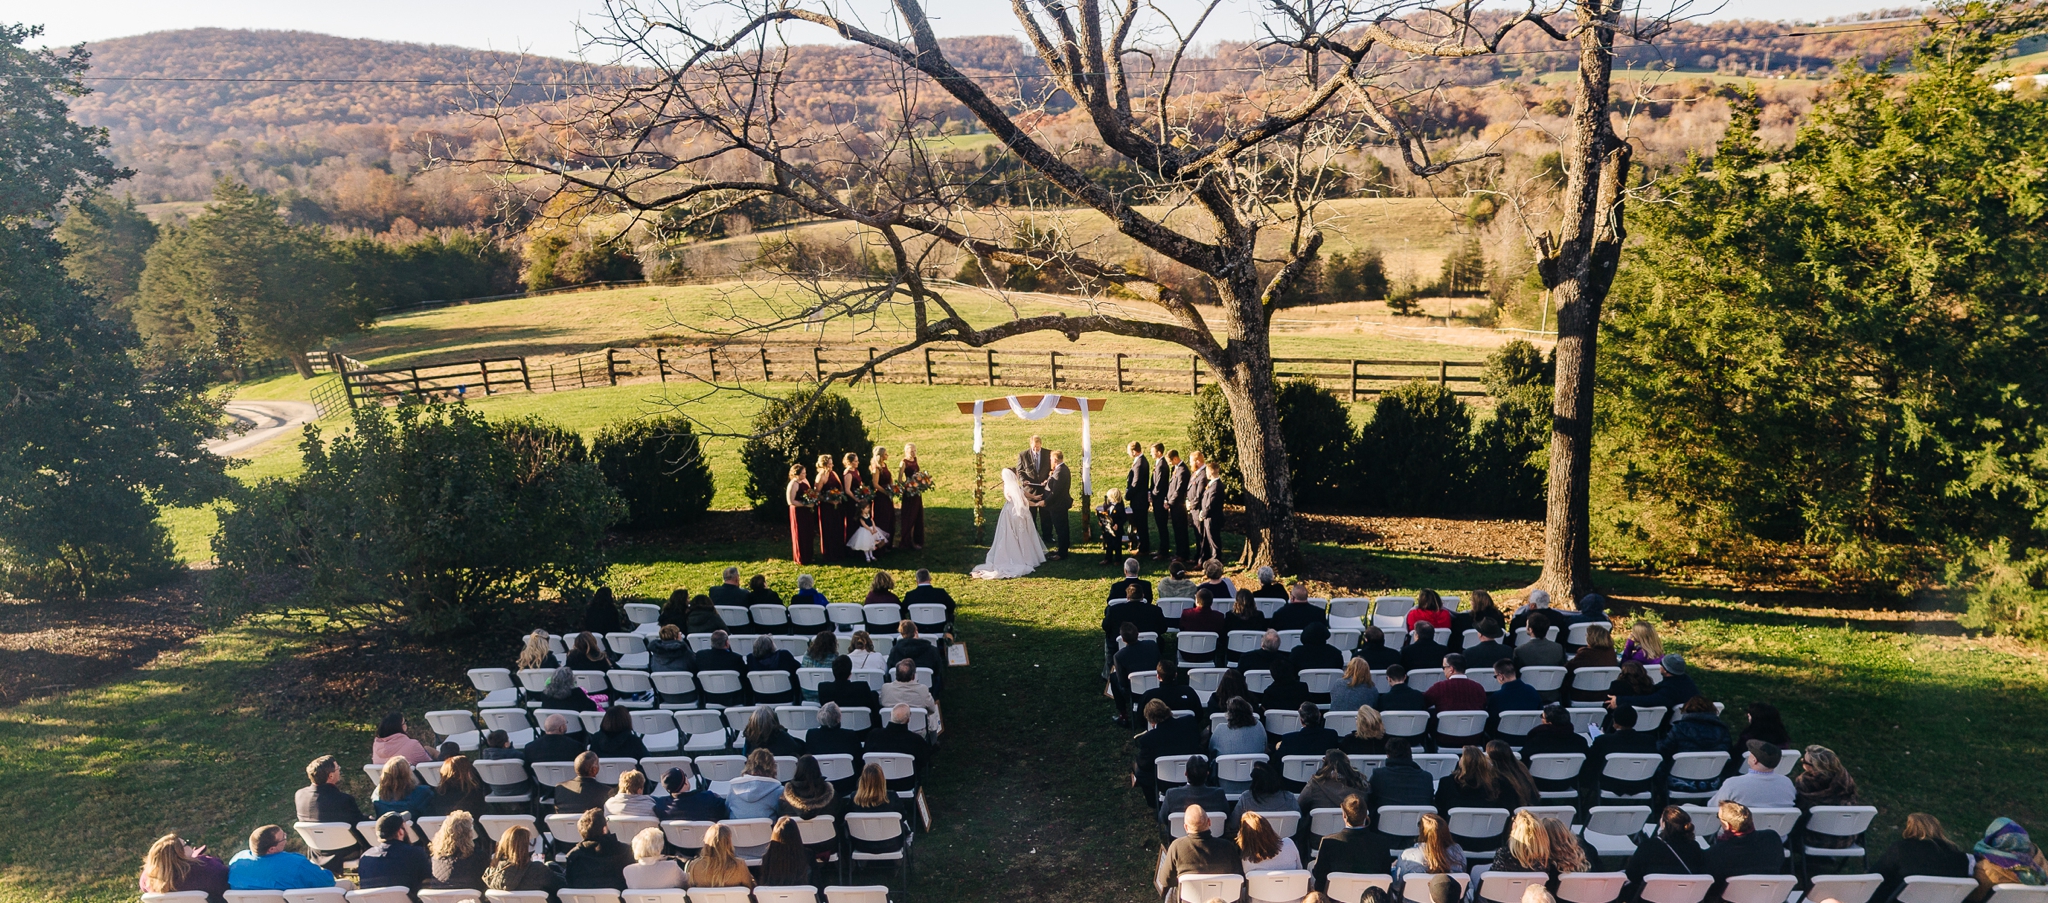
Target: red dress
<point x="851" y="512"/>
<point x="884" y="507"/>
<point x="803" y="525"/>
<point x="831" y="524"/>
<point x="911" y="523"/>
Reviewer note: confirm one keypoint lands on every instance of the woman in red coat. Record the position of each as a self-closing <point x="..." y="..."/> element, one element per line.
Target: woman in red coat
<point x="831" y="523"/>
<point x="854" y="512"/>
<point x="883" y="509"/>
<point x="910" y="525"/>
<point x="803" y="519"/>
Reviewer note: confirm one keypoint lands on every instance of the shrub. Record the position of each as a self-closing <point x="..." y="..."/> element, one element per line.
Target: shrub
<point x="1412" y="454"/>
<point x="1515" y="364"/>
<point x="1511" y="455"/>
<point x="1315" y="426"/>
<point x="1358" y="276"/>
<point x="796" y="429"/>
<point x="2007" y="596"/>
<point x="425" y="515"/>
<point x="657" y="465"/>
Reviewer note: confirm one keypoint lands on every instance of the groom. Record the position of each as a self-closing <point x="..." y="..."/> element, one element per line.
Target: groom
<point x="1058" y="498"/>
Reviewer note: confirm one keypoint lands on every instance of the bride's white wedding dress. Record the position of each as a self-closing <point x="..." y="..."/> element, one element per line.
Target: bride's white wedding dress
<point x="1017" y="550"/>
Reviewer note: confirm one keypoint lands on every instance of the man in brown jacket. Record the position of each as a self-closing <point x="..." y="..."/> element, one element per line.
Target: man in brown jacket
<point x="1197" y="854"/>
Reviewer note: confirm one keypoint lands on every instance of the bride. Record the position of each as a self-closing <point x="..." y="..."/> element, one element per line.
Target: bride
<point x="1017" y="550"/>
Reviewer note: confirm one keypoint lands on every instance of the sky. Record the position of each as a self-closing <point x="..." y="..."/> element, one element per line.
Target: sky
<point x="549" y="27"/>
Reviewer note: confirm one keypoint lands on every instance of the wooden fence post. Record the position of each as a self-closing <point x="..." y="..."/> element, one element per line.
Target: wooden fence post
<point x="874" y="374"/>
<point x="928" y="365"/>
<point x="1119" y="372"/>
<point x="1354" y="380"/>
<point x="660" y="364"/>
<point x="611" y="367"/>
<point x="416" y="381"/>
<point x="817" y="362"/>
<point x="525" y="378"/>
<point x="1052" y="360"/>
<point x="764" y="364"/>
<point x="483" y="372"/>
<point x="991" y="366"/>
<point x="1443" y="371"/>
<point x="711" y="361"/>
<point x="553" y="386"/>
<point x="1194" y="374"/>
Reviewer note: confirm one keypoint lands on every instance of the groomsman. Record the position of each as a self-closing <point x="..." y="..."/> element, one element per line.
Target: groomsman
<point x="1157" y="502"/>
<point x="1209" y="514"/>
<point x="1177" y="488"/>
<point x="1058" y="498"/>
<point x="1138" y="493"/>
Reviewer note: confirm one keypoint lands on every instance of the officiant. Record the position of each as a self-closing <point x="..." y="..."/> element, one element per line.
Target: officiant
<point x="1058" y="498"/>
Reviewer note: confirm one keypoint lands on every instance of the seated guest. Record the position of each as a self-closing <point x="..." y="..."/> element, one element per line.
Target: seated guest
<point x="764" y="730"/>
<point x="1244" y="614"/>
<point x="583" y="792"/>
<point x="1269" y="586"/>
<point x="1315" y="650"/>
<point x="600" y="860"/>
<point x="895" y="736"/>
<point x="1176" y="585"/>
<point x="904" y="689"/>
<point x="1537" y="601"/>
<point x="756" y="791"/>
<point x="1513" y="695"/>
<point x="1313" y="739"/>
<point x="562" y="692"/>
<point x="1766" y="724"/>
<point x="1923" y="848"/>
<point x="1298" y="613"/>
<point x="602" y="614"/>
<point x="394" y="861"/>
<point x="687" y="801"/>
<point x="726" y="591"/>
<point x="1373" y="648"/>
<point x="1527" y="848"/>
<point x="1204" y="618"/>
<point x="1568" y="852"/>
<point x="2007" y="855"/>
<point x="1597" y="653"/>
<point x="1695" y="729"/>
<point x="1429" y="609"/>
<point x="1334" y="779"/>
<point x="1200" y="790"/>
<point x="1456" y="693"/>
<point x="882" y="590"/>
<point x="324" y="800"/>
<point x="632" y="800"/>
<point x="847" y="692"/>
<point x="1539" y="650"/>
<point x="1669" y="850"/>
<point x="1266" y="656"/>
<point x="393" y="742"/>
<point x="1471" y="786"/>
<point x="717" y="865"/>
<point x="587" y="652"/>
<point x="1262" y="848"/>
<point x="927" y="594"/>
<point x="498" y="745"/>
<point x="1823" y="781"/>
<point x="676" y="611"/>
<point x="760" y="593"/>
<point x="534" y="653"/>
<point x="554" y="744"/>
<point x="873" y="797"/>
<point x="1676" y="688"/>
<point x="650" y="869"/>
<point x="1517" y="788"/>
<point x="1165" y="735"/>
<point x="807" y="795"/>
<point x="702" y="616"/>
<point x="1401" y="782"/>
<point x="456" y="859"/>
<point x="1214" y="581"/>
<point x="1489" y="650"/>
<point x="1136" y="608"/>
<point x="1399" y="697"/>
<point x="1423" y="652"/>
<point x="1286" y="691"/>
<point x="267" y="865"/>
<point x="1369" y="738"/>
<point x="719" y="656"/>
<point x="1433" y="853"/>
<point x="821" y="653"/>
<point x="615" y="737"/>
<point x="514" y="867"/>
<point x="1356" y="688"/>
<point x="461" y="790"/>
<point x="399" y="790"/>
<point x="766" y="657"/>
<point x="829" y="738"/>
<point x="1267" y="793"/>
<point x="1120" y="590"/>
<point x="1196" y="853"/>
<point x="1173" y="689"/>
<point x="920" y="652"/>
<point x="1241" y="734"/>
<point x="1741" y="849"/>
<point x="1232" y="686"/>
<point x="1355" y="849"/>
<point x="1758" y="786"/>
<point x="786" y="862"/>
<point x="807" y="592"/>
<point x="1623" y="739"/>
<point x="1135" y="657"/>
<point x="861" y="648"/>
<point x="1552" y="736"/>
<point x="173" y="867"/>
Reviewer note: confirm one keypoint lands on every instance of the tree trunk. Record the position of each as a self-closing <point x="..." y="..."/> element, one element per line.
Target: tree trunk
<point x="300" y="364"/>
<point x="1270" y="538"/>
<point x="1578" y="267"/>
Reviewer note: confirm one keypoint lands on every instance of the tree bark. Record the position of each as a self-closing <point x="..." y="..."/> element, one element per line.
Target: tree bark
<point x="1578" y="267"/>
<point x="1270" y="538"/>
<point x="300" y="364"/>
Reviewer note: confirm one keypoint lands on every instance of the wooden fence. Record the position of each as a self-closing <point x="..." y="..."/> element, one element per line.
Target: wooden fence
<point x="1058" y="371"/>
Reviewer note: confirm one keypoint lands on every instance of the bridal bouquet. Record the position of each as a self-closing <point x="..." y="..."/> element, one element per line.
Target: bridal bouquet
<point x="916" y="485"/>
<point x="807" y="498"/>
<point x="833" y="496"/>
<point x="861" y="496"/>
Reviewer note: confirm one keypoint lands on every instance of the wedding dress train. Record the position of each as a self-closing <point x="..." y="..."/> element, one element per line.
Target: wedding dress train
<point x="1017" y="549"/>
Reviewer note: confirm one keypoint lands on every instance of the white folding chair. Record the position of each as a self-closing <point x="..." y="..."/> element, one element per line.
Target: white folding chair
<point x="857" y="719"/>
<point x="456" y="726"/>
<point x="549" y="774"/>
<point x="846" y="616"/>
<point x="1175" y="606"/>
<point x="1856" y="889"/>
<point x="1284" y="824"/>
<point x="749" y="833"/>
<point x="1522" y="635"/>
<point x="768" y="616"/>
<point x="1675" y="888"/>
<point x="316" y="895"/>
<point x="609" y="769"/>
<point x="497" y="686"/>
<point x="655" y="895"/>
<point x="1144" y="682"/>
<point x="1609" y="828"/>
<point x="1779" y="820"/>
<point x="772" y="686"/>
<point x="1460" y="724"/>
<point x="1629" y="767"/>
<point x="1279" y="886"/>
<point x="587" y="895"/>
<point x="629" y="650"/>
<point x="701" y="641"/>
<point x="1928" y="889"/>
<point x="327" y="835"/>
<point x="1402" y="821"/>
<point x="719" y="895"/>
<point x="930" y="617"/>
<point x="882" y="617"/>
<point x="592" y="681"/>
<point x="1649" y="717"/>
<point x="1564" y="814"/>
<point x="1344" y="723"/>
<point x="1543" y="678"/>
<point x="1171" y="769"/>
<point x="1178" y="826"/>
<point x="1393" y="607"/>
<point x="1592" y="887"/>
<point x="686" y="835"/>
<point x="1760" y="888"/>
<point x="642" y="613"/>
<point x="1415" y="889"/>
<point x="797" y="719"/>
<point x="1195" y="648"/>
<point x="2000" y="893"/>
<point x="1421" y="680"/>
<point x="1325" y="822"/>
<point x="1268" y="605"/>
<point x="1366" y="763"/>
<point x="495" y="826"/>
<point x="1320" y="680"/>
<point x="1485" y="678"/>
<point x="867" y="894"/>
<point x="735" y="617"/>
<point x="1584" y="718"/>
<point x="1257" y="681"/>
<point x="1576" y="636"/>
<point x="627" y="683"/>
<point x="1350" y="607"/>
<point x="807" y="618"/>
<point x="785" y="895"/>
<point x="1594" y="680"/>
<point x="1786" y="762"/>
<point x="1696" y="766"/>
<point x="177" y="896"/>
<point x="721" y="768"/>
<point x="1211" y="887"/>
<point x="836" y="766"/>
<point x="1289" y="640"/>
<point x="1439" y="765"/>
<point x="895" y="767"/>
<point x="1556" y="767"/>
<point x="1842" y="821"/>
<point x="627" y="827"/>
<point x="1483" y="825"/>
<point x="873" y="676"/>
<point x="512" y="896"/>
<point x="680" y="686"/>
<point x="1204" y="681"/>
<point x="1350" y="887"/>
<point x="1498" y="886"/>
<point x="719" y="687"/>
<point x="705" y="729"/>
<point x="1240" y="642"/>
<point x="1517" y="724"/>
<point x="872" y="827"/>
<point x="1298" y="768"/>
<point x="1380" y="681"/>
<point x="1405" y="724"/>
<point x="1282" y="721"/>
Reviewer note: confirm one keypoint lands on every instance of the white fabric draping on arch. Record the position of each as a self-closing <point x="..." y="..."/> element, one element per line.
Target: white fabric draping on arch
<point x="1047" y="406"/>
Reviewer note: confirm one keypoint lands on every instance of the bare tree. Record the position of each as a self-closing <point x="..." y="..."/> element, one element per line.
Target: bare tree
<point x="713" y="130"/>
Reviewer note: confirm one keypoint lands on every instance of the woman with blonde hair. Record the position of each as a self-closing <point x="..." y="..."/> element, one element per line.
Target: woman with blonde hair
<point x="803" y="521"/>
<point x="171" y="866"/>
<point x="458" y="860"/>
<point x="1644" y="647"/>
<point x="716" y="866"/>
<point x="1568" y="853"/>
<point x="853" y="513"/>
<point x="398" y="790"/>
<point x="1369" y="738"/>
<point x="1433" y="853"/>
<point x="513" y="866"/>
<point x="1263" y="849"/>
<point x="535" y="653"/>
<point x="1923" y="848"/>
<point x="860" y="649"/>
<point x="651" y="870"/>
<point x="1597" y="653"/>
<point x="632" y="800"/>
<point x="831" y="518"/>
<point x="883" y="509"/>
<point x="1528" y="848"/>
<point x="1356" y="689"/>
<point x="881" y="590"/>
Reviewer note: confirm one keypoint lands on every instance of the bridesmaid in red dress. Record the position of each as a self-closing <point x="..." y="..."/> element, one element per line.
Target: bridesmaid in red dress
<point x="884" y="510"/>
<point x="852" y="513"/>
<point x="803" y="522"/>
<point x="911" y="524"/>
<point x="831" y="523"/>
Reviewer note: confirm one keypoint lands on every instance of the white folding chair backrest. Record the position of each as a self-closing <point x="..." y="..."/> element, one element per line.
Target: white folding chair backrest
<point x="316" y="895"/>
<point x="1282" y="721"/>
<point x="719" y="681"/>
<point x="1592" y="887"/>
<point x="655" y="895"/>
<point x="535" y="679"/>
<point x="1779" y="820"/>
<point x="1241" y="641"/>
<point x="1211" y="887"/>
<point x="797" y="717"/>
<point x="1144" y="682"/>
<point x="1279" y="886"/>
<point x="1675" y="888"/>
<point x="1196" y="642"/>
<point x="1460" y="724"/>
<point x="548" y="774"/>
<point x="2000" y="893"/>
<point x="721" y="768"/>
<point x="767" y="615"/>
<point x="1402" y="821"/>
<point x="1556" y="766"/>
<point x="807" y="616"/>
<point x="1268" y="605"/>
<point x="1284" y="824"/>
<point x="846" y="614"/>
<point x="1501" y="886"/>
<point x="869" y="894"/>
<point x="785" y="895"/>
<point x="1299" y="768"/>
<point x="1380" y="681"/>
<point x="514" y="896"/>
<point x="1344" y="723"/>
<point x="587" y="895"/>
<point x="1177" y="825"/>
<point x="1325" y="822"/>
<point x="1649" y="717"/>
<point x="1631" y="766"/>
<point x="873" y="676"/>
<point x="857" y="719"/>
<point x="1171" y="769"/>
<point x="627" y="827"/>
<point x="326" y="835"/>
<point x="1584" y="718"/>
<point x="1289" y="639"/>
<point x="883" y="614"/>
<point x="719" y="895"/>
<point x="769" y="683"/>
<point x="626" y="643"/>
<point x="1206" y="680"/>
<point x="1366" y="763"/>
<point x="1786" y="762"/>
<point x="1859" y="888"/>
<point x="812" y="678"/>
<point x="1543" y="678"/>
<point x="895" y="766"/>
<point x="874" y="826"/>
<point x="749" y="832"/>
<point x="688" y="835"/>
<point x="1838" y="821"/>
<point x="1928" y="889"/>
<point x="1439" y="765"/>
<point x="1522" y="635"/>
<point x="176" y="896"/>
<point x="591" y="681"/>
<point x="1393" y="606"/>
<point x="267" y="896"/>
<point x="642" y="613"/>
<point x="1519" y="723"/>
<point x="1415" y="888"/>
<point x="1564" y="814"/>
<point x="491" y="680"/>
<point x="1175" y="606"/>
<point x="1237" y="766"/>
<point x="817" y="830"/>
<point x="1257" y="681"/>
<point x="495" y="826"/>
<point x="653" y="721"/>
<point x="1696" y="766"/>
<point x="428" y="825"/>
<point x="1320" y="680"/>
<point x="836" y="766"/>
<point x="1350" y="607"/>
<point x="1404" y="724"/>
<point x="609" y="769"/>
<point x="432" y="895"/>
<point x="734" y="616"/>
<point x="928" y="615"/>
<point x="1616" y="821"/>
<point x="1481" y="823"/>
<point x="1758" y="888"/>
<point x="1594" y="680"/>
<point x="1421" y="680"/>
<point x="1577" y="635"/>
<point x="1350" y="887"/>
<point x="1485" y="678"/>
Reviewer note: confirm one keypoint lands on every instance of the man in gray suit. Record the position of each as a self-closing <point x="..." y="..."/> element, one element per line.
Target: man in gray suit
<point x="1208" y="511"/>
<point x="1059" y="497"/>
<point x="1033" y="465"/>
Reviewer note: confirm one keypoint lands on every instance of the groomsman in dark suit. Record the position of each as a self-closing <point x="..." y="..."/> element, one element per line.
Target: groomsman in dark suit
<point x="1177" y="489"/>
<point x="1209" y="514"/>
<point x="1059" y="497"/>
<point x="1157" y="502"/>
<point x="1138" y="494"/>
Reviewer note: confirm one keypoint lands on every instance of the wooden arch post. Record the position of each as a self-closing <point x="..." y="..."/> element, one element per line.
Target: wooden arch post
<point x="1003" y="407"/>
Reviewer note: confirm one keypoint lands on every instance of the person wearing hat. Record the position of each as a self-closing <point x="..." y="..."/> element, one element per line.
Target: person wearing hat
<point x="1672" y="693"/>
<point x="1758" y="786"/>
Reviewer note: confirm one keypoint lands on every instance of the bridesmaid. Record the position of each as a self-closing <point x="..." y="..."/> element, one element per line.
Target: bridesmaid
<point x="884" y="511"/>
<point x="911" y="522"/>
<point x="853" y="512"/>
<point x="803" y="522"/>
<point x="831" y="523"/>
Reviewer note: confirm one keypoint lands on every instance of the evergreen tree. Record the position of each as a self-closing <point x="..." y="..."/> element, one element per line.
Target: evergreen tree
<point x="105" y="244"/>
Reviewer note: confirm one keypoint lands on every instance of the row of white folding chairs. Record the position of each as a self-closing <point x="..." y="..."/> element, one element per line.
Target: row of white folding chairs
<point x="798" y="894"/>
<point x="1495" y="886"/>
<point x="496" y="683"/>
<point x="847" y="616"/>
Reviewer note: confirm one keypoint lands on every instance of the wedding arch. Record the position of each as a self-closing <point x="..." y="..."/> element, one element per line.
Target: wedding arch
<point x="1034" y="407"/>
